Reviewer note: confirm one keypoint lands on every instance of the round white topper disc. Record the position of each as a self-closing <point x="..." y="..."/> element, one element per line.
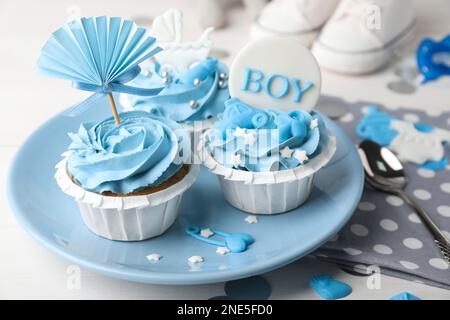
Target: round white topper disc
<point x="277" y="73"/>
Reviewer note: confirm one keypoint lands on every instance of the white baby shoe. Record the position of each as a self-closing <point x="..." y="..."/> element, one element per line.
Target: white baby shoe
<point x="363" y="35"/>
<point x="300" y="19"/>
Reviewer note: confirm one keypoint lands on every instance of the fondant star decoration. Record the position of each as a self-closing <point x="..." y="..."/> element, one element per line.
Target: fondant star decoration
<point x="301" y="156"/>
<point x="314" y="123"/>
<point x="286" y="152"/>
<point x="154" y="257"/>
<point x="196" y="259"/>
<point x="223" y="250"/>
<point x="239" y="132"/>
<point x="235" y="160"/>
<point x="206" y="233"/>
<point x="251" y="219"/>
<point x="250" y="138"/>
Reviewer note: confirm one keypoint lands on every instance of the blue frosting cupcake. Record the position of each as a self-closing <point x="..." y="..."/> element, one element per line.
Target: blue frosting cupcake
<point x="142" y="152"/>
<point x="128" y="180"/>
<point x="249" y="139"/>
<point x="195" y="95"/>
<point x="266" y="159"/>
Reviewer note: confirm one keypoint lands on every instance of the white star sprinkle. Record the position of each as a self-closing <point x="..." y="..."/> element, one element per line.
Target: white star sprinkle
<point x="195" y="259"/>
<point x="235" y="160"/>
<point x="250" y="138"/>
<point x="206" y="233"/>
<point x="154" y="257"/>
<point x="239" y="132"/>
<point x="223" y="250"/>
<point x="286" y="152"/>
<point x="301" y="156"/>
<point x="314" y="123"/>
<point x="251" y="219"/>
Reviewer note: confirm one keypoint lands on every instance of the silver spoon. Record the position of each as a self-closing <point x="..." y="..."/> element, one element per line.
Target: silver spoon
<point x="384" y="172"/>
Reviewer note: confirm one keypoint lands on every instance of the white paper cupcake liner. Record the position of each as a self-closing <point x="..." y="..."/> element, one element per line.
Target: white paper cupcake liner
<point x="130" y="218"/>
<point x="267" y="192"/>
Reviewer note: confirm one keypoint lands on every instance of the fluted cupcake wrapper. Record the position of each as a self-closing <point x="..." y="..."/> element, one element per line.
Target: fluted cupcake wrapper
<point x="270" y="198"/>
<point x="130" y="218"/>
<point x="267" y="192"/>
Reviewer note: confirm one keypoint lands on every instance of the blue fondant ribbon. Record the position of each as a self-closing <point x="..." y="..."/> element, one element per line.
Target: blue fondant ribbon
<point x="118" y="85"/>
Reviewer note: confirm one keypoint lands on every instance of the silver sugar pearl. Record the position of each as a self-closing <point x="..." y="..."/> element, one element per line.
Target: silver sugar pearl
<point x="147" y="74"/>
<point x="165" y="74"/>
<point x="223" y="76"/>
<point x="222" y="84"/>
<point x="193" y="104"/>
<point x="165" y="80"/>
<point x="197" y="82"/>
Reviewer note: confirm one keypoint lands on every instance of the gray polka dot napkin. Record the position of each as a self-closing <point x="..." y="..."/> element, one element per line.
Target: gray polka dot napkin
<point x="384" y="230"/>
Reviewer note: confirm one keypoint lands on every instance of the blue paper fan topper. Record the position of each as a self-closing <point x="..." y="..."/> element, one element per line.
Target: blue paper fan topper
<point x="98" y="54"/>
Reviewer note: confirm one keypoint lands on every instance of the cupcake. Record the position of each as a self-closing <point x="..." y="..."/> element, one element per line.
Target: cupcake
<point x="127" y="179"/>
<point x="194" y="84"/>
<point x="266" y="160"/>
<point x="269" y="143"/>
<point x="197" y="94"/>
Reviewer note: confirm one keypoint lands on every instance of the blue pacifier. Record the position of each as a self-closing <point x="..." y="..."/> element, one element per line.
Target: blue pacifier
<point x="236" y="242"/>
<point x="433" y="58"/>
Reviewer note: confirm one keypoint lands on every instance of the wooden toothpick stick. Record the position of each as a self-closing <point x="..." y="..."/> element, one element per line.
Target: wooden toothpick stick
<point x="114" y="108"/>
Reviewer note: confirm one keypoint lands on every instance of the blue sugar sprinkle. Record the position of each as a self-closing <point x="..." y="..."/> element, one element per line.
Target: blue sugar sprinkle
<point x="329" y="288"/>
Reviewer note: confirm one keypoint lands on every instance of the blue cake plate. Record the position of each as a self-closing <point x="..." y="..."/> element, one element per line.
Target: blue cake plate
<point x="52" y="217"/>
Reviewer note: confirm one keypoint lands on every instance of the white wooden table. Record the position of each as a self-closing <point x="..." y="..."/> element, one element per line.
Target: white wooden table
<point x="28" y="270"/>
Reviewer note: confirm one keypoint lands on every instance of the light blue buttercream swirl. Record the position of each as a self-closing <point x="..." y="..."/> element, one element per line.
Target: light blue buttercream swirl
<point x="254" y="140"/>
<point x="175" y="101"/>
<point x="143" y="151"/>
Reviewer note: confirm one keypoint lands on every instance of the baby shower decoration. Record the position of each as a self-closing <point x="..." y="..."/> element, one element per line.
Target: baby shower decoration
<point x="98" y="54"/>
<point x="268" y="143"/>
<point x="126" y="164"/>
<point x="126" y="191"/>
<point x="274" y="73"/>
<point x="195" y="83"/>
<point x="433" y="59"/>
